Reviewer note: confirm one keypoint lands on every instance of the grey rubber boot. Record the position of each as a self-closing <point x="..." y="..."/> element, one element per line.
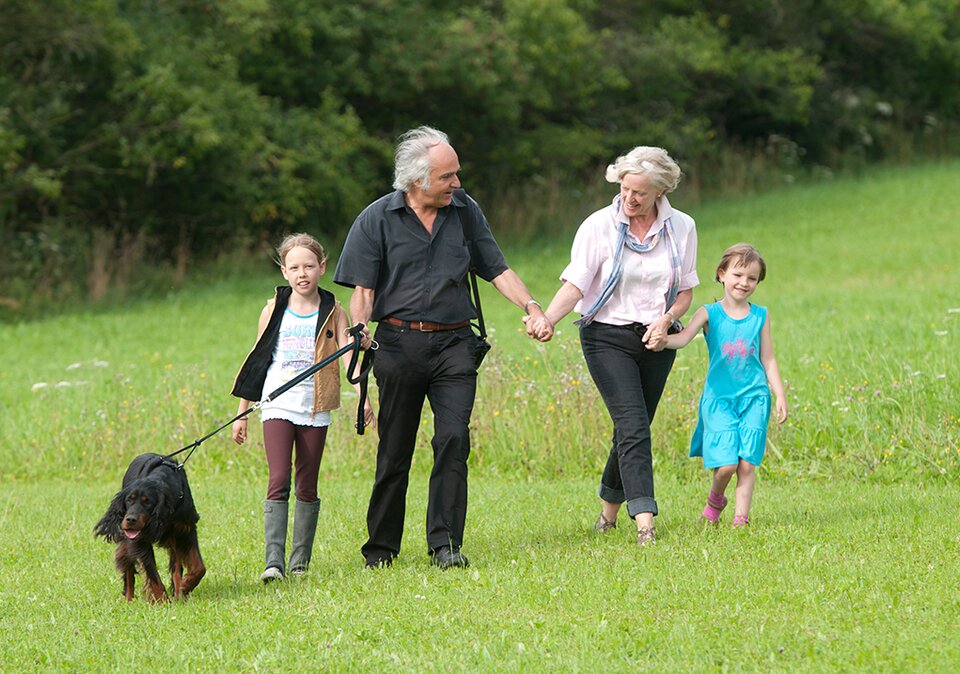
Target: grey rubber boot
<point x="275" y="536"/>
<point x="304" y="528"/>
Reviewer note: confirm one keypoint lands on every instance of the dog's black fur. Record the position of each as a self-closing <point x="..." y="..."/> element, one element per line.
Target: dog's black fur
<point x="154" y="507"/>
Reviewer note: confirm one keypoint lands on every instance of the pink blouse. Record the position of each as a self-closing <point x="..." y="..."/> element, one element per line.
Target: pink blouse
<point x="641" y="294"/>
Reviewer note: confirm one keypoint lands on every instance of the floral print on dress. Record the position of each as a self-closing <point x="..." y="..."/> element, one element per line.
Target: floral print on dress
<point x="735" y="354"/>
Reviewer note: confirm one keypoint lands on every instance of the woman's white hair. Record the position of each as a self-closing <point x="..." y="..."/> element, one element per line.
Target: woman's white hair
<point x="652" y="161"/>
<point x="410" y="162"/>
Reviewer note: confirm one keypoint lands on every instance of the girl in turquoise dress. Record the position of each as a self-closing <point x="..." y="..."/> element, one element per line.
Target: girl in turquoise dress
<point x="731" y="432"/>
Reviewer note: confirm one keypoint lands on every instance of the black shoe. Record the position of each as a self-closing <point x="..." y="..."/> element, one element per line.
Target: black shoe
<point x="379" y="562"/>
<point x="446" y="557"/>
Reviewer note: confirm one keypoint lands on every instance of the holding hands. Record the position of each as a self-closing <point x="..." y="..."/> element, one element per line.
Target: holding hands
<point x="539" y="327"/>
<point x="655" y="338"/>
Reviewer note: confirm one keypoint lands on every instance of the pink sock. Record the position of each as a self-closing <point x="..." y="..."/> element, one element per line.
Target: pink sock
<point x="715" y="505"/>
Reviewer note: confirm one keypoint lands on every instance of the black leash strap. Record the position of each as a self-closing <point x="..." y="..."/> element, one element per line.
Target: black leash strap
<point x="476" y="305"/>
<point x="360" y="378"/>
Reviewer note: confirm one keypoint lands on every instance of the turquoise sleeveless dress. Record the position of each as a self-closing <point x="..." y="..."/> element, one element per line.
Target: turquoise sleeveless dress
<point x="735" y="405"/>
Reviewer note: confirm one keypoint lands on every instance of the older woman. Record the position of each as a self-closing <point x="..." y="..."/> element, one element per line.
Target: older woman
<point x="631" y="274"/>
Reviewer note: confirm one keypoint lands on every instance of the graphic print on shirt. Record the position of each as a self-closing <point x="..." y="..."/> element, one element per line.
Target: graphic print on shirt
<point x="295" y="347"/>
<point x="735" y="354"/>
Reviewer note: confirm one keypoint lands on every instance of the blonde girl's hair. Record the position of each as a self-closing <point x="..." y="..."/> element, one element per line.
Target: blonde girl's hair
<point x="300" y="240"/>
<point x="741" y="254"/>
<point x="663" y="171"/>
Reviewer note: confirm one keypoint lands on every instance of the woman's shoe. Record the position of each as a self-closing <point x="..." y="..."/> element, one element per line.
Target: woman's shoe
<point x="603" y="525"/>
<point x="740" y="520"/>
<point x="271" y="573"/>
<point x="646" y="536"/>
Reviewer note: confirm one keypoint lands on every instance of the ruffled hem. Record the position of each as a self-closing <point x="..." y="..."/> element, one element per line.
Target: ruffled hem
<point x="731" y="429"/>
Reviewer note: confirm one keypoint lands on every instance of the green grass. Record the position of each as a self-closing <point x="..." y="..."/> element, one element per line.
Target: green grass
<point x="840" y="577"/>
<point x="851" y="562"/>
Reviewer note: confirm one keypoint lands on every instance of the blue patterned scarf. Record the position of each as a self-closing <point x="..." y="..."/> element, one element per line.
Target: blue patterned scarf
<point x="616" y="273"/>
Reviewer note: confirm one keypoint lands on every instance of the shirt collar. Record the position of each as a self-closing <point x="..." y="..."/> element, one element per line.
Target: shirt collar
<point x="664" y="212"/>
<point x="396" y="202"/>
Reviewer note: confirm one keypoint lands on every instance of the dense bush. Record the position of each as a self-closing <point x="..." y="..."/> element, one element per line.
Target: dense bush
<point x="172" y="132"/>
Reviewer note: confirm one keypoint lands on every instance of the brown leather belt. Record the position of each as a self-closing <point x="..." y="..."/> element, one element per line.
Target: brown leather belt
<point x="423" y="326"/>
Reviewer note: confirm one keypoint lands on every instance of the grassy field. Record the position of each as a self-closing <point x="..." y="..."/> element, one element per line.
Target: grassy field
<point x="831" y="578"/>
<point x="851" y="561"/>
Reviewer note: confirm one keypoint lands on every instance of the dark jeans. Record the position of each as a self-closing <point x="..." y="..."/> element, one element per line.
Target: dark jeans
<point x="630" y="380"/>
<point x="412" y="366"/>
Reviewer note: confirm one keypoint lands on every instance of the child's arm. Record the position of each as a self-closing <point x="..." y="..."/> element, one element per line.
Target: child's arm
<point x="773" y="370"/>
<point x="239" y="429"/>
<point x="343" y="339"/>
<point x="697" y="322"/>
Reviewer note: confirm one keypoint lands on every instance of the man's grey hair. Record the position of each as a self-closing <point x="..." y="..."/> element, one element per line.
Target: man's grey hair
<point x="411" y="163"/>
<point x="663" y="171"/>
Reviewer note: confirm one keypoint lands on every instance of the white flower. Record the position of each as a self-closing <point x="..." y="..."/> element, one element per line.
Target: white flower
<point x="39" y="385"/>
<point x="74" y="366"/>
<point x="940" y="333"/>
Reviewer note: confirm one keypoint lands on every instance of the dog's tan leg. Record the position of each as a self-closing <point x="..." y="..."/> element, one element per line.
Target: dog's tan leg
<point x="127" y="569"/>
<point x="158" y="593"/>
<point x="176" y="573"/>
<point x="195" y="570"/>
<point x="129" y="582"/>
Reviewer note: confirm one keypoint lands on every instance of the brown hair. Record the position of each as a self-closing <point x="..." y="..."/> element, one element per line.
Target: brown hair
<point x="741" y="254"/>
<point x="301" y="240"/>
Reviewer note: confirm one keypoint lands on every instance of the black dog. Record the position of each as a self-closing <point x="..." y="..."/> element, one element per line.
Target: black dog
<point x="154" y="507"/>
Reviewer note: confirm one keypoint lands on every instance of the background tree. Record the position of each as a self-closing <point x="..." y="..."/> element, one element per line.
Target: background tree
<point x="142" y="140"/>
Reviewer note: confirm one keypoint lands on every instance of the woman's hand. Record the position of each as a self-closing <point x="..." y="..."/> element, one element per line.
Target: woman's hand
<point x="656" y="335"/>
<point x="539" y="327"/>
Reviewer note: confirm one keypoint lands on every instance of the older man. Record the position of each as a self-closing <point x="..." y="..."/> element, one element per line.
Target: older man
<point x="407" y="256"/>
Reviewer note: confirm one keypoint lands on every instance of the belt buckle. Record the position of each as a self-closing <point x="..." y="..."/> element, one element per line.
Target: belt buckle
<point x="422" y="329"/>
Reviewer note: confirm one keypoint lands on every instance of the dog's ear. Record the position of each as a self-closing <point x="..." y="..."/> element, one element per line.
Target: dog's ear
<point x="159" y="510"/>
<point x="109" y="524"/>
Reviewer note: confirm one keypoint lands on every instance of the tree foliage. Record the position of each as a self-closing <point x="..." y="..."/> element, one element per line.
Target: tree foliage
<point x="169" y="130"/>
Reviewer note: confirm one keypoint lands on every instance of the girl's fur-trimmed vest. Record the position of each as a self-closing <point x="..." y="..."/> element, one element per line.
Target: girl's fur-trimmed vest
<point x="326" y="382"/>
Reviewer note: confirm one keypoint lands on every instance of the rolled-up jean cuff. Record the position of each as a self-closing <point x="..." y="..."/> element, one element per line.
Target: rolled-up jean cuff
<point x="611" y="495"/>
<point x="644" y="504"/>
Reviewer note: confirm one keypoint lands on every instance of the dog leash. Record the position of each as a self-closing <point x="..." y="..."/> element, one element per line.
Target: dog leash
<point x="360" y="378"/>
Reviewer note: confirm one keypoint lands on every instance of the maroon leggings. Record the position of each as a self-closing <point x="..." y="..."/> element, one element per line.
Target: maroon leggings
<point x="278" y="438"/>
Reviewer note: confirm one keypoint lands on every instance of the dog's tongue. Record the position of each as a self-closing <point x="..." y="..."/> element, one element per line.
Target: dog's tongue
<point x="130" y="534"/>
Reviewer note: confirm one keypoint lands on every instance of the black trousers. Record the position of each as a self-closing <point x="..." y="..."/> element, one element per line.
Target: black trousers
<point x="410" y="367"/>
<point x="630" y="379"/>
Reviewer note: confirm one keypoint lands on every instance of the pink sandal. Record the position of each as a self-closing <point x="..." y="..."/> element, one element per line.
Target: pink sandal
<point x="740" y="520"/>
